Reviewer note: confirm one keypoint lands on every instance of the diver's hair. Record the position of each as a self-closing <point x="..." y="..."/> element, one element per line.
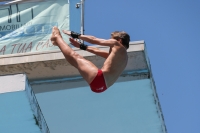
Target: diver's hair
<point x="123" y="36"/>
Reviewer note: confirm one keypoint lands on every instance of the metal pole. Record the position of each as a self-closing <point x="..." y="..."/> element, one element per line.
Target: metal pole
<point x="82" y="17"/>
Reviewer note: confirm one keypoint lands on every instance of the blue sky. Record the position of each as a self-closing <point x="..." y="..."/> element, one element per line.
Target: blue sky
<point x="171" y="30"/>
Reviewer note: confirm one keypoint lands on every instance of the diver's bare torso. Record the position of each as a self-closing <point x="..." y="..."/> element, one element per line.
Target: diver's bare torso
<point x="115" y="63"/>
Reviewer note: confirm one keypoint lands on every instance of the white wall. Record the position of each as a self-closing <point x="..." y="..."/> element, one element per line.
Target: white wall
<point x="12" y="83"/>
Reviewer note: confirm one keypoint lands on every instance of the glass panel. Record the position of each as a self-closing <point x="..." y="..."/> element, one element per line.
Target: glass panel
<point x="126" y="107"/>
<point x="16" y="114"/>
<point x="6" y="2"/>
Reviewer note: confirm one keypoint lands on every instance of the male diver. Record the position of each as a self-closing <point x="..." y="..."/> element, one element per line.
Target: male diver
<point x="116" y="59"/>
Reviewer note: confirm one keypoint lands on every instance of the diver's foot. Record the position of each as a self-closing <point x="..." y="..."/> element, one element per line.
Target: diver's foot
<point x="55" y="36"/>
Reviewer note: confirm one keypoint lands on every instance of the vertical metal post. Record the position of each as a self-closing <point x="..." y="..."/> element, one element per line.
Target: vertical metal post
<point x="82" y="16"/>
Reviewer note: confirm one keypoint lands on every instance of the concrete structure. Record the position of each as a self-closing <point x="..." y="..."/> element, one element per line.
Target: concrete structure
<point x="68" y="104"/>
<point x="19" y="109"/>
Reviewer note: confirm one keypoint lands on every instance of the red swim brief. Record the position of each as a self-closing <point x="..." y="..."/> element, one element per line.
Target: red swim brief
<point x="98" y="84"/>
